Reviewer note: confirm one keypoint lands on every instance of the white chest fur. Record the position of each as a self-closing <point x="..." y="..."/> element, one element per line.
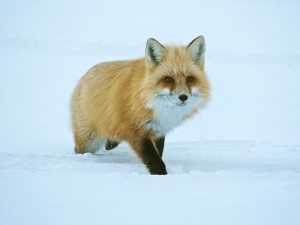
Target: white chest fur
<point x="167" y="116"/>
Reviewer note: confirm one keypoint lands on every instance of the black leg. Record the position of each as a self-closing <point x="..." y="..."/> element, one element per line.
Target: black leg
<point x="160" y="143"/>
<point x="111" y="144"/>
<point x="151" y="158"/>
<point x="148" y="154"/>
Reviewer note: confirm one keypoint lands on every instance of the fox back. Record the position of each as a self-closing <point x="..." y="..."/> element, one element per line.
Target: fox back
<point x="140" y="101"/>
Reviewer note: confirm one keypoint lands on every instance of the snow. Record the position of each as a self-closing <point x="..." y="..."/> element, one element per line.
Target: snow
<point x="238" y="162"/>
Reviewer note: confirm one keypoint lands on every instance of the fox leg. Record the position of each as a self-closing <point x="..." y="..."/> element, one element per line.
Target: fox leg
<point x="87" y="141"/>
<point x="111" y="144"/>
<point x="86" y="138"/>
<point x="160" y="143"/>
<point x="146" y="151"/>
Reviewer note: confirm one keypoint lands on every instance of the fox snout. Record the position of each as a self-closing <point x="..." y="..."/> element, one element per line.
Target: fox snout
<point x="183" y="97"/>
<point x="173" y="98"/>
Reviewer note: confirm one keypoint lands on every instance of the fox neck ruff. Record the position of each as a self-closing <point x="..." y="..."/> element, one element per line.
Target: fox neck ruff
<point x="169" y="111"/>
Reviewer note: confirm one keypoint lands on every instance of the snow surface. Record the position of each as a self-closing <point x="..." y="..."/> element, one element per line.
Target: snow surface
<point x="236" y="163"/>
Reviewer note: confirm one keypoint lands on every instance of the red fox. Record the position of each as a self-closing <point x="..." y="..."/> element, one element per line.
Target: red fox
<point x="140" y="101"/>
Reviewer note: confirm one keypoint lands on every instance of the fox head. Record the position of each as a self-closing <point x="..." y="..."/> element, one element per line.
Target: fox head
<point x="175" y="75"/>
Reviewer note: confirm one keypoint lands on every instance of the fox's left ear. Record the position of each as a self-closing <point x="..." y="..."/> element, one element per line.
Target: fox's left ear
<point x="196" y="49"/>
<point x="155" y="52"/>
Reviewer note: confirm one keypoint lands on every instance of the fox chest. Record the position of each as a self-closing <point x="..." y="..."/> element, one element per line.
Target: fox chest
<point x="167" y="118"/>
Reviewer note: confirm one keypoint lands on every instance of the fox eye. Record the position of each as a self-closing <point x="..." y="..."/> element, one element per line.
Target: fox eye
<point x="169" y="80"/>
<point x="189" y="79"/>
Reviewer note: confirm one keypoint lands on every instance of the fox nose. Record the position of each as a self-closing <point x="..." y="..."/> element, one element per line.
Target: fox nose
<point x="183" y="97"/>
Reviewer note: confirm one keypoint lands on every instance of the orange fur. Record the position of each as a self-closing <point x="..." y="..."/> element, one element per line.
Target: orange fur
<point x="112" y="100"/>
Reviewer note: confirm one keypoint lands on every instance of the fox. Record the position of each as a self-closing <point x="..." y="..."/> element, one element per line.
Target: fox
<point x="140" y="101"/>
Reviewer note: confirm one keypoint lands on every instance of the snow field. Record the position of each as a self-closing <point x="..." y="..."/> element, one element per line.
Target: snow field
<point x="238" y="162"/>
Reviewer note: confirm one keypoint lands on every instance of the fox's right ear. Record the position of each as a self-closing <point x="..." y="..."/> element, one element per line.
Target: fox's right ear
<point x="196" y="49"/>
<point x="155" y="52"/>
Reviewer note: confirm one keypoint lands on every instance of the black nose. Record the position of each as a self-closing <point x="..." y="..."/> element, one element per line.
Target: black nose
<point x="183" y="97"/>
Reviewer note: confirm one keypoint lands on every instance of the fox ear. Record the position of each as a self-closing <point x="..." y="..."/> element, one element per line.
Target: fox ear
<point x="155" y="52"/>
<point x="196" y="49"/>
